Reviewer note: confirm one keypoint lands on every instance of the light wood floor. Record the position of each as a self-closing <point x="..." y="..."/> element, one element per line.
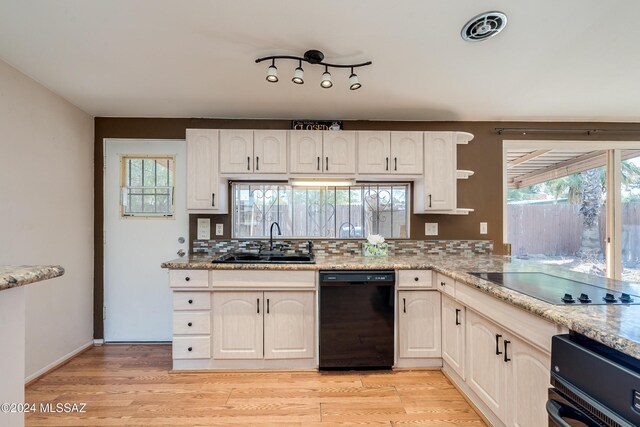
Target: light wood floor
<point x="132" y="385"/>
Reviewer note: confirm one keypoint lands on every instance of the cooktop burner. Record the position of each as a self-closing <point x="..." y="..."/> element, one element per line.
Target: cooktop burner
<point x="558" y="290"/>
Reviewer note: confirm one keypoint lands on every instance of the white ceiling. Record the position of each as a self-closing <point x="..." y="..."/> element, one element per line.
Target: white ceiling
<point x="556" y="60"/>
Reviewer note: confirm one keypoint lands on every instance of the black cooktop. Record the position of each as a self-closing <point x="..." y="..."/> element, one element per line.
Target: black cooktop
<point x="558" y="290"/>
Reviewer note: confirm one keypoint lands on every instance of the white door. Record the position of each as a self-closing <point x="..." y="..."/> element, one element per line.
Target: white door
<point x="440" y="171"/>
<point x="305" y="151"/>
<point x="453" y="334"/>
<point x="406" y="153"/>
<point x="339" y="149"/>
<point x="137" y="298"/>
<point x="270" y="151"/>
<point x="288" y="325"/>
<point x="373" y="152"/>
<point x="419" y="332"/>
<point x="237" y="325"/>
<point x="236" y="151"/>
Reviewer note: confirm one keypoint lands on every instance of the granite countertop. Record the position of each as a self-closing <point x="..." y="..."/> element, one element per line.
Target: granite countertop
<point x="615" y="326"/>
<point x="12" y="276"/>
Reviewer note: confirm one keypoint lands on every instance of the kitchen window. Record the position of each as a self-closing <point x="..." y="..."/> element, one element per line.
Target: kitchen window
<point x="147" y="184"/>
<point x="322" y="212"/>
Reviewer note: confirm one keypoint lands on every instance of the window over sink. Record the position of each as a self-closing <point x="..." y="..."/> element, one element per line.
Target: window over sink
<point x="322" y="212"/>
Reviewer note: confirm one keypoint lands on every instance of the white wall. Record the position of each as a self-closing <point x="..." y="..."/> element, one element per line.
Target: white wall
<point x="46" y="212"/>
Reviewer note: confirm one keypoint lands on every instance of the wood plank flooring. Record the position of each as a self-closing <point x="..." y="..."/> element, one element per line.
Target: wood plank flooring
<point x="130" y="385"/>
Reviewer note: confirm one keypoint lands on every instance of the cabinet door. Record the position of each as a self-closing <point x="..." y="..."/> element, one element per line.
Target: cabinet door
<point x="236" y="151"/>
<point x="406" y="153"/>
<point x="453" y="334"/>
<point x="237" y="325"/>
<point x="305" y="151"/>
<point x="339" y="149"/>
<point x="288" y="325"/>
<point x="270" y="151"/>
<point x="419" y="324"/>
<point x="485" y="370"/>
<point x="374" y="150"/>
<point x="440" y="171"/>
<point x="202" y="170"/>
<point x="529" y="381"/>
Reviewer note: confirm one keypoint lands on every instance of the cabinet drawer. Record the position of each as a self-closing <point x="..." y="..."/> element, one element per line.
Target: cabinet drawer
<point x="192" y="300"/>
<point x="445" y="284"/>
<point x="192" y="323"/>
<point x="248" y="279"/>
<point x="191" y="348"/>
<point x="189" y="278"/>
<point x="415" y="279"/>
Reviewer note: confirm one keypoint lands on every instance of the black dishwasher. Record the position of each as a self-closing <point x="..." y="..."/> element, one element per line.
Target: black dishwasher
<point x="356" y="319"/>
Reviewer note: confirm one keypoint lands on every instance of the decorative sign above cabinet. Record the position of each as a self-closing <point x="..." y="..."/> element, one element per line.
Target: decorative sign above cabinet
<point x="316" y="125"/>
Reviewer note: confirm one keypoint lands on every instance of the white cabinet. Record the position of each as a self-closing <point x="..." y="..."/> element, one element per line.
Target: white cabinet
<point x="270" y="151"/>
<point x="406" y="153"/>
<point x="419" y="333"/>
<point x="285" y="318"/>
<point x="528" y="382"/>
<point x="339" y="152"/>
<point x="453" y="335"/>
<point x="440" y="171"/>
<point x="322" y="152"/>
<point x="485" y="373"/>
<point x="305" y="151"/>
<point x="237" y="325"/>
<point x="236" y="151"/>
<point x="289" y="325"/>
<point x="395" y="153"/>
<point x="206" y="192"/>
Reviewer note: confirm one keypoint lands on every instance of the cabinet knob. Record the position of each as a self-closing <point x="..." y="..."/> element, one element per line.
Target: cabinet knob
<point x="442" y="283"/>
<point x="416" y="279"/>
<point x="190" y="349"/>
<point x="189" y="324"/>
<point x="187" y="278"/>
<point x="190" y="301"/>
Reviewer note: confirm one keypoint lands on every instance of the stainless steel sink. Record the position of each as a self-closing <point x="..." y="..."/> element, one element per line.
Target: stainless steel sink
<point x="265" y="258"/>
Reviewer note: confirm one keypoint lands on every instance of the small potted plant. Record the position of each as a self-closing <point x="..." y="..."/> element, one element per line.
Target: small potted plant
<point x="375" y="246"/>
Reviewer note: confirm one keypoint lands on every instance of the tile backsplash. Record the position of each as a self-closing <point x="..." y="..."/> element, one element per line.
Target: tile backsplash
<point x="349" y="247"/>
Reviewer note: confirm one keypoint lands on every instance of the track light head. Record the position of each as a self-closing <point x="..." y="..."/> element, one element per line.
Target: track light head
<point x="272" y="72"/>
<point x="326" y="79"/>
<point x="298" y="75"/>
<point x="354" y="83"/>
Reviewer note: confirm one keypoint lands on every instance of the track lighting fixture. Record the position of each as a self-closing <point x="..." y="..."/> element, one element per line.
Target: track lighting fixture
<point x="298" y="75"/>
<point x="272" y="72"/>
<point x="312" y="57"/>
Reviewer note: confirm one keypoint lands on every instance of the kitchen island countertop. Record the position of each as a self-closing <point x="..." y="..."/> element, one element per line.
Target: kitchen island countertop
<point x="12" y="276"/>
<point x="615" y="326"/>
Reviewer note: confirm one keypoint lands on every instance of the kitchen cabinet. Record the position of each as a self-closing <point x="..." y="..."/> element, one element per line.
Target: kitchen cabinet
<point x="236" y="151"/>
<point x="453" y="335"/>
<point x="419" y="333"/>
<point x="279" y="323"/>
<point x="485" y="373"/>
<point x="253" y="151"/>
<point x="270" y="151"/>
<point x="322" y="152"/>
<point x="191" y="317"/>
<point x="206" y="192"/>
<point x="440" y="171"/>
<point x="395" y="153"/>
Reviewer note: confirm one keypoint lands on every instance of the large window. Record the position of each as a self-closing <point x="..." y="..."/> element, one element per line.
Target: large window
<point x="328" y="212"/>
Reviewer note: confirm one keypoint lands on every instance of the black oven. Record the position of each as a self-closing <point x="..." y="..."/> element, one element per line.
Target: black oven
<point x="593" y="385"/>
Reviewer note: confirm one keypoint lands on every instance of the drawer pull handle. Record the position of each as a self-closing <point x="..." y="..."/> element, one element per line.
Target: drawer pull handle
<point x="190" y="349"/>
<point x="416" y="279"/>
<point x="190" y="301"/>
<point x="189" y="324"/>
<point x="498" y="352"/>
<point x="187" y="278"/>
<point x="506" y="358"/>
<point x="457" y="318"/>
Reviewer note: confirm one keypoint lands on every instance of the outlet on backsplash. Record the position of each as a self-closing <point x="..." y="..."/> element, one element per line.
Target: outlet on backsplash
<point x="431" y="229"/>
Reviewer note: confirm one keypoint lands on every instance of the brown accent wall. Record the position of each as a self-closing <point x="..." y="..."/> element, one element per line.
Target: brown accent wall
<point x="482" y="192"/>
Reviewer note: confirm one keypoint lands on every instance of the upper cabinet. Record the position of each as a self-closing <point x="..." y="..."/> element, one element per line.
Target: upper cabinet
<point x="248" y="151"/>
<point x="206" y="192"/>
<point x="394" y="153"/>
<point x="328" y="152"/>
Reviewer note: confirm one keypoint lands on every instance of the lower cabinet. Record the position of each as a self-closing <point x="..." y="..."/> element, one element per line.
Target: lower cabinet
<point x="453" y="334"/>
<point x="269" y="325"/>
<point x="509" y="375"/>
<point x="419" y="333"/>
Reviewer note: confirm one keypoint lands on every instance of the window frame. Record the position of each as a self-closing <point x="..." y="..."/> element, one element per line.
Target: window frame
<point x="123" y="186"/>
<point x="232" y="212"/>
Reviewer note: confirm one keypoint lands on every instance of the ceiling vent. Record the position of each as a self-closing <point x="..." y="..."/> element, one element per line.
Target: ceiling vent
<point x="484" y="26"/>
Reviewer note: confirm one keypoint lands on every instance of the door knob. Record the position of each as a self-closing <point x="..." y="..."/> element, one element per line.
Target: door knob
<point x="181" y="253"/>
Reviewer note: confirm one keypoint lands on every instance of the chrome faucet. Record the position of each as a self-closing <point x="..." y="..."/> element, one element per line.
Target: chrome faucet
<point x="271" y="235"/>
